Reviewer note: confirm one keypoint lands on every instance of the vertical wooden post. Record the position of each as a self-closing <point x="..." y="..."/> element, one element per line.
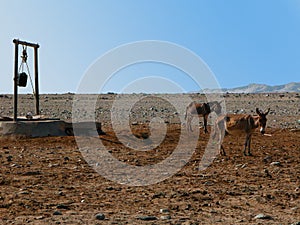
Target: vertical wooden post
<point x="36" y="77"/>
<point x="16" y="81"/>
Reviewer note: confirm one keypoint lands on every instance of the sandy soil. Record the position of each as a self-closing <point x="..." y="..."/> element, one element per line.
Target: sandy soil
<point x="47" y="180"/>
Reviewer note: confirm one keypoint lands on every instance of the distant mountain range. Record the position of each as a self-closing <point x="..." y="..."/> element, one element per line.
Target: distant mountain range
<point x="259" y="88"/>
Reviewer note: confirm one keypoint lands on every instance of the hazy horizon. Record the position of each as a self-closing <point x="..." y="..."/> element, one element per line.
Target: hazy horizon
<point x="222" y="90"/>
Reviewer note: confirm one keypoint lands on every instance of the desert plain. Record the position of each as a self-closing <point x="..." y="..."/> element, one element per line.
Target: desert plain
<point x="47" y="180"/>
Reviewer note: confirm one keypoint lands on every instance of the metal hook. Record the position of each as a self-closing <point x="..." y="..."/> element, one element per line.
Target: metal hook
<point x="25" y="55"/>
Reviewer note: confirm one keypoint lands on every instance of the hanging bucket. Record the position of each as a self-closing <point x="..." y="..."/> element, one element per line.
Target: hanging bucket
<point x="22" y="79"/>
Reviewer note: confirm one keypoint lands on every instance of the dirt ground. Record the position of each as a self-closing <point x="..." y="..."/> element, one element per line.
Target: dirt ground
<point x="47" y="180"/>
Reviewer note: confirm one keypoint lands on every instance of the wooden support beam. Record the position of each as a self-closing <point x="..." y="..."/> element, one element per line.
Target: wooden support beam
<point x="17" y="41"/>
<point x="16" y="82"/>
<point x="36" y="82"/>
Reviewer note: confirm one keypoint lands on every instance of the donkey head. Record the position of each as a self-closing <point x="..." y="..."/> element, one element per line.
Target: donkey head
<point x="215" y="107"/>
<point x="262" y="120"/>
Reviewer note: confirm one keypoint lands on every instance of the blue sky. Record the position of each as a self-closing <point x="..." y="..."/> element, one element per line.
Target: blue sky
<point x="242" y="42"/>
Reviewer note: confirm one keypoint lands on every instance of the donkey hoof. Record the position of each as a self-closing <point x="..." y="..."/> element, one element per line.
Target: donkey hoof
<point x="222" y="153"/>
<point x="249" y="154"/>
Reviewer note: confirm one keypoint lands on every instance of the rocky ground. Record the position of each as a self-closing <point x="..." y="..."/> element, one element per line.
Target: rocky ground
<point x="285" y="110"/>
<point x="48" y="181"/>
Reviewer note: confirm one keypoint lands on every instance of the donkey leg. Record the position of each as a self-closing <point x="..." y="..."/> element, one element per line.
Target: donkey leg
<point x="205" y="123"/>
<point x="189" y="124"/>
<point x="249" y="142"/>
<point x="247" y="145"/>
<point x="219" y="131"/>
<point x="222" y="151"/>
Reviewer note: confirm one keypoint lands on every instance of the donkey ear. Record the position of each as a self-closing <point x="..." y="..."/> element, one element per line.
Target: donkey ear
<point x="258" y="112"/>
<point x="266" y="113"/>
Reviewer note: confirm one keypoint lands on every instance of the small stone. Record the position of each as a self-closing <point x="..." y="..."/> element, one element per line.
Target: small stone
<point x="267" y="173"/>
<point x="39" y="217"/>
<point x="267" y="159"/>
<point x="208" y="183"/>
<point x="297" y="223"/>
<point x="109" y="188"/>
<point x="57" y="213"/>
<point x="62" y="206"/>
<point x="242" y="166"/>
<point x="238" y="165"/>
<point x="61" y="193"/>
<point x="147" y="218"/>
<point x="164" y="210"/>
<point x="166" y="217"/>
<point x="100" y="216"/>
<point x="263" y="217"/>
<point x="275" y="164"/>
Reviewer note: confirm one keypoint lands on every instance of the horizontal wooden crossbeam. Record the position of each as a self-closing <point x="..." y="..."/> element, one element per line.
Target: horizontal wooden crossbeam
<point x="17" y="41"/>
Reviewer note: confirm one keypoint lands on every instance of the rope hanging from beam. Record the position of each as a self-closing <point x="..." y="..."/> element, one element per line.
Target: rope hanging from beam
<point x="24" y="57"/>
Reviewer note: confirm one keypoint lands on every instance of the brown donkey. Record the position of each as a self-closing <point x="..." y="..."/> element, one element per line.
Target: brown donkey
<point x="201" y="109"/>
<point x="236" y="124"/>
